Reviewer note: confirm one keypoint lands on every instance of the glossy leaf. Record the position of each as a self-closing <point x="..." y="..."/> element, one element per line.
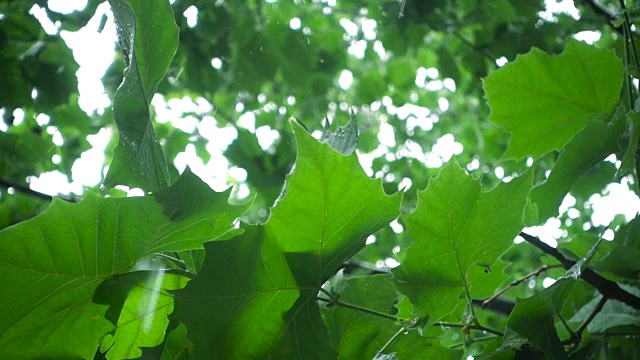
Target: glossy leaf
<point x="52" y="264"/>
<point x="457" y="229"/>
<point x="545" y="100"/>
<point x="148" y="39"/>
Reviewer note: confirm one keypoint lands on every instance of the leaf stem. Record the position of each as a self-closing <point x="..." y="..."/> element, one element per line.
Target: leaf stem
<point x="338" y="302"/>
<point x="391" y="340"/>
<point x="475" y="326"/>
<point x="334" y="300"/>
<point x="519" y="281"/>
<point x="590" y="318"/>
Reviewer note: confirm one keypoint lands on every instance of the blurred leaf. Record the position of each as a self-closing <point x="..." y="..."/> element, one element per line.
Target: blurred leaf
<point x="628" y="165"/>
<point x="613" y="314"/>
<point x="531" y="97"/>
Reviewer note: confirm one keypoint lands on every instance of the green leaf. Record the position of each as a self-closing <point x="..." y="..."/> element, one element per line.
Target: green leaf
<point x="545" y="100"/>
<point x="51" y="264"/>
<point x="234" y="308"/>
<point x="455" y="228"/>
<point x="177" y="346"/>
<point x="148" y="38"/>
<point x="329" y="208"/>
<point x="586" y="149"/>
<point x="533" y="319"/>
<point x="143" y="319"/>
<point x="360" y="335"/>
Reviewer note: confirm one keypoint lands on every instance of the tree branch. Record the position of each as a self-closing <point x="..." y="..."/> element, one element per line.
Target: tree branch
<point x="607" y="288"/>
<point x="28" y="191"/>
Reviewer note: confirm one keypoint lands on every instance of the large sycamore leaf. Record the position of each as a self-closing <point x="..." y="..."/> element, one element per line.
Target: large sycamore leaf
<point x="457" y="230"/>
<point x="51" y="265"/>
<point x="545" y="100"/>
<point x="360" y="336"/>
<point x="148" y="38"/>
<point x="235" y="308"/>
<point x="143" y="318"/>
<point x="329" y="208"/>
<point x="256" y="294"/>
<point x="590" y="146"/>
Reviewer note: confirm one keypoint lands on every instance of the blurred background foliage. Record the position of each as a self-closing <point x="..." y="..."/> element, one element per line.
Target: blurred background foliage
<point x="411" y="70"/>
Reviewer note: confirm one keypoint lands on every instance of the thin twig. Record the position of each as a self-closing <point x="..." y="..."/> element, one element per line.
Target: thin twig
<point x="391" y="340"/>
<point x="518" y="282"/>
<point x="334" y="300"/>
<point x="476" y="327"/>
<point x="607" y="288"/>
<point x="588" y="320"/>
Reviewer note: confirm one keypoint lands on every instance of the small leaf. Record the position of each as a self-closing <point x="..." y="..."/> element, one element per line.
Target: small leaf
<point x="148" y="38"/>
<point x="345" y="139"/>
<point x="545" y="100"/>
<point x="454" y="228"/>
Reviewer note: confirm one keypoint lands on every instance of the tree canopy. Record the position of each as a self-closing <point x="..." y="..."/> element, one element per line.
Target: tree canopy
<point x="391" y="167"/>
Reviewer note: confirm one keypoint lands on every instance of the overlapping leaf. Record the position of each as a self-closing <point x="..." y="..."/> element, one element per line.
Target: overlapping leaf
<point x="148" y="38"/>
<point x="234" y="309"/>
<point x="456" y="229"/>
<point x="256" y="295"/>
<point x="51" y="264"/>
<point x="587" y="148"/>
<point x="533" y="319"/>
<point x="144" y="313"/>
<point x="545" y="100"/>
